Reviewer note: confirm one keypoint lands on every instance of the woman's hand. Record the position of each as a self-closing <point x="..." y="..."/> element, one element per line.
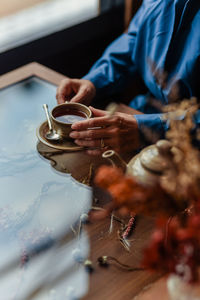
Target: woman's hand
<point x="75" y="90"/>
<point x="118" y="132"/>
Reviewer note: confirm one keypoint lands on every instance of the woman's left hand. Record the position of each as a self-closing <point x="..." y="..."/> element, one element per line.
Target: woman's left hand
<point x="118" y="132"/>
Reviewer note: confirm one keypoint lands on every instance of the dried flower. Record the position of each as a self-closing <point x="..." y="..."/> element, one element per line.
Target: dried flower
<point x="175" y="248"/>
<point x="132" y="196"/>
<point x="107" y="176"/>
<point x="183" y="180"/>
<point x="175" y="245"/>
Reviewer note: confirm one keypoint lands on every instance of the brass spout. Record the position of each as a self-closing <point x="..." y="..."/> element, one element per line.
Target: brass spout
<point x="115" y="159"/>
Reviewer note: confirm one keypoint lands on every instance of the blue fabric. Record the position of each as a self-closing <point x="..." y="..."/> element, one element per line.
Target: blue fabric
<point x="165" y="35"/>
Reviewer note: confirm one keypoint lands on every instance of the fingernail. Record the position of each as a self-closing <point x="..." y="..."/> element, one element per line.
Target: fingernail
<point x="72" y="134"/>
<point x="73" y="126"/>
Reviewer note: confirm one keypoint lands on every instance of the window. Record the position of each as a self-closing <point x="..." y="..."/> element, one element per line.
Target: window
<point x="25" y="21"/>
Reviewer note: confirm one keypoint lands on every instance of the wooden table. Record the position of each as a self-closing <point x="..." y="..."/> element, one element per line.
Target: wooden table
<point x="112" y="282"/>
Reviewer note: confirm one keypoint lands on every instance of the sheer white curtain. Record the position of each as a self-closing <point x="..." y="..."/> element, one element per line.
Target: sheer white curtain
<point x="42" y="19"/>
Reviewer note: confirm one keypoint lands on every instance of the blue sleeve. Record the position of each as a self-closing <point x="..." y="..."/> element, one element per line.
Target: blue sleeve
<point x="197" y="119"/>
<point x="151" y="126"/>
<point x="156" y="126"/>
<point x="116" y="66"/>
<point x="196" y="140"/>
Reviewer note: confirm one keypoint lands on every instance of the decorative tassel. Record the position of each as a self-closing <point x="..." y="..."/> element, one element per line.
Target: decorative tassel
<point x="125" y="243"/>
<point x="79" y="258"/>
<point x="125" y="233"/>
<point x="111" y="224"/>
<point x="88" y="265"/>
<point x="83" y="219"/>
<point x="130" y="226"/>
<point x="104" y="262"/>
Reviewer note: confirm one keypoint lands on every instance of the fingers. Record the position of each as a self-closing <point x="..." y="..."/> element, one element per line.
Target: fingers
<point x="122" y="142"/>
<point x="112" y="137"/>
<point x="63" y="91"/>
<point x="118" y="133"/>
<point x="100" y="143"/>
<point x="98" y="112"/>
<point x="82" y="94"/>
<point x="90" y="134"/>
<point x="94" y="152"/>
<point x="91" y="143"/>
<point x="104" y="121"/>
<point x="75" y="90"/>
<point x="91" y="123"/>
<point x="80" y="97"/>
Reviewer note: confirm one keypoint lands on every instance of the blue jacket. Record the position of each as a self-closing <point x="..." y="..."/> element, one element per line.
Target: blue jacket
<point x="164" y="35"/>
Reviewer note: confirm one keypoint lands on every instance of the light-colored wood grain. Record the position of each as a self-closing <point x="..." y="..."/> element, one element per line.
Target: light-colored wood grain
<point x="114" y="283"/>
<point x="32" y="69"/>
<point x="155" y="291"/>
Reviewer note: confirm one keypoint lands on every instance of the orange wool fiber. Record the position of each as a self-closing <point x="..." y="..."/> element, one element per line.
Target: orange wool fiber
<point x="107" y="176"/>
<point x="123" y="191"/>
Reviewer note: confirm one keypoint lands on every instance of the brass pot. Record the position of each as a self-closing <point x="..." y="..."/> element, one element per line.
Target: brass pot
<point x="147" y="166"/>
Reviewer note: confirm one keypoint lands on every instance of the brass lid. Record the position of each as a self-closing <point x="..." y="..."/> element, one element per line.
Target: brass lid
<point x="156" y="158"/>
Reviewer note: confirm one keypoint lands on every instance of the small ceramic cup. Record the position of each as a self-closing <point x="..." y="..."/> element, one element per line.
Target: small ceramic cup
<point x="64" y="115"/>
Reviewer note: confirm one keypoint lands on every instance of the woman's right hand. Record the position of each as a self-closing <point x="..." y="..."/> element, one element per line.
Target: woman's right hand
<point x="118" y="132"/>
<point x="75" y="90"/>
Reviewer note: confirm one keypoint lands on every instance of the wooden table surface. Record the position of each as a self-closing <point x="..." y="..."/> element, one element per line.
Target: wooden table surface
<point x="112" y="282"/>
